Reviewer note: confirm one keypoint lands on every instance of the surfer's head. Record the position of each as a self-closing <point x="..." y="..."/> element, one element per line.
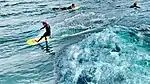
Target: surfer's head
<point x="135" y="3"/>
<point x="44" y="23"/>
<point x="73" y="5"/>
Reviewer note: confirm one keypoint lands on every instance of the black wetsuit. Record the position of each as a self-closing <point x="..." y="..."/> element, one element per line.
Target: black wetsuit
<point x="64" y="8"/>
<point x="134" y="5"/>
<point x="47" y="33"/>
<point x="70" y="7"/>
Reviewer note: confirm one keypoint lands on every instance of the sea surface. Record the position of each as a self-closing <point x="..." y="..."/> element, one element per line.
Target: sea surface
<point x="104" y="42"/>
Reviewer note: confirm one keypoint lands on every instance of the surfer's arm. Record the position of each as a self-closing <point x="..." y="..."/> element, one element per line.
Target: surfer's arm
<point x="42" y="28"/>
<point x="137" y="6"/>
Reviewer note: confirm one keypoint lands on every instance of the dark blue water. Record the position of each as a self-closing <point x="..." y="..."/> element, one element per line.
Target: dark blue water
<point x="104" y="42"/>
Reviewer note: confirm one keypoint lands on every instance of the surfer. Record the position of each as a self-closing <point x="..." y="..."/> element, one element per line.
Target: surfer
<point x="47" y="33"/>
<point x="134" y="5"/>
<point x="65" y="8"/>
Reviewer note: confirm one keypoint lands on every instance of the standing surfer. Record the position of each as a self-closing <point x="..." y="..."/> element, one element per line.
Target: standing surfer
<point x="46" y="34"/>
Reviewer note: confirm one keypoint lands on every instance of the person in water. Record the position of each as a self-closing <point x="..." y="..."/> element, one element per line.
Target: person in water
<point x="134" y="5"/>
<point x="47" y="33"/>
<point x="65" y="8"/>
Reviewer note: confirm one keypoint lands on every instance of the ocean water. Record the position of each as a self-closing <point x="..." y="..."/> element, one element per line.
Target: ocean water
<point x="104" y="42"/>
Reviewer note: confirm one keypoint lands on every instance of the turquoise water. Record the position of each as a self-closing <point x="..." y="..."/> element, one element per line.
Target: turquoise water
<point x="101" y="43"/>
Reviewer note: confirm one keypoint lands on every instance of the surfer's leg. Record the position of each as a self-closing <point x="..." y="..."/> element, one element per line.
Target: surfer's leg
<point x="44" y="35"/>
<point x="46" y="40"/>
<point x="46" y="43"/>
<point x="40" y="38"/>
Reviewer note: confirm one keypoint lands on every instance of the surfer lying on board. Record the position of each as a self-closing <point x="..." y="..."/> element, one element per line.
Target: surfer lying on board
<point x="65" y="8"/>
<point x="134" y="5"/>
<point x="47" y="33"/>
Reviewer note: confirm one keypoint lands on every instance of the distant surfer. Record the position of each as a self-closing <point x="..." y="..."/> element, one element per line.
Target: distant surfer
<point x="65" y="8"/>
<point x="134" y="5"/>
<point x="47" y="33"/>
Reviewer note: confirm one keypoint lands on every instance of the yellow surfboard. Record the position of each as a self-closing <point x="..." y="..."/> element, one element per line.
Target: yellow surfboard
<point x="33" y="41"/>
<point x="76" y="8"/>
